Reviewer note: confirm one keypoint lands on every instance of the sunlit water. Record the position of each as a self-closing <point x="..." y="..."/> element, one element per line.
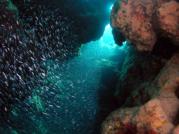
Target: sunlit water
<point x="71" y="104"/>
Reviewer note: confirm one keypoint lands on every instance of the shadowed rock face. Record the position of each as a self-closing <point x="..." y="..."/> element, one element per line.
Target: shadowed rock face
<point x="159" y="115"/>
<point x="90" y="16"/>
<point x="144" y="22"/>
<point x="135" y="75"/>
<point x="147" y="90"/>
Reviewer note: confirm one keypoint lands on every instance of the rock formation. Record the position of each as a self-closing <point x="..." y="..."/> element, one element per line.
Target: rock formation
<point x="158" y="115"/>
<point x="144" y="22"/>
<point x="148" y="87"/>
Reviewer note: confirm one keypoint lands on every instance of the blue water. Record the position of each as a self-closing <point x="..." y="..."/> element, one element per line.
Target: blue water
<point x="68" y="103"/>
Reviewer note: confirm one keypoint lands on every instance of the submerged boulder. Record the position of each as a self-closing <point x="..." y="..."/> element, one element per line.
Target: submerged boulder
<point x="148" y="119"/>
<point x="144" y="22"/>
<point x="157" y="116"/>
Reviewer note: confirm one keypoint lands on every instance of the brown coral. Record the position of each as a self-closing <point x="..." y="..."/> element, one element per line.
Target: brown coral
<point x="157" y="116"/>
<point x="142" y="22"/>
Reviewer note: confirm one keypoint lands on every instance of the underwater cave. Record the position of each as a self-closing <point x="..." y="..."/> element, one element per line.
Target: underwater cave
<point x="89" y="67"/>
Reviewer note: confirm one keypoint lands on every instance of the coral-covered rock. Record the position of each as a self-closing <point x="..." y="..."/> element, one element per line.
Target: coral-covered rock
<point x="147" y="119"/>
<point x="176" y="130"/>
<point x="168" y="79"/>
<point x="159" y="115"/>
<point x="168" y="83"/>
<point x="168" y="17"/>
<point x="143" y="22"/>
<point x="147" y="92"/>
<point x="136" y="74"/>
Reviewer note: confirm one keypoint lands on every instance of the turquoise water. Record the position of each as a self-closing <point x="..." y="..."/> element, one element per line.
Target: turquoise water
<point x="68" y="103"/>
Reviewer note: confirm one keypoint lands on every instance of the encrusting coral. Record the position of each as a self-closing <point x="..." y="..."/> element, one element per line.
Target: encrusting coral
<point x="143" y="22"/>
<point x="148" y="91"/>
<point x="159" y="115"/>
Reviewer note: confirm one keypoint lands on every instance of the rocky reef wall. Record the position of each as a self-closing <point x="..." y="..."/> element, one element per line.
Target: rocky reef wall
<point x="144" y="22"/>
<point x="151" y="109"/>
<point x="147" y="90"/>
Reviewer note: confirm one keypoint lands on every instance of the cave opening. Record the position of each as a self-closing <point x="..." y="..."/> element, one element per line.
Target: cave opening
<point x="75" y="94"/>
<point x="64" y="69"/>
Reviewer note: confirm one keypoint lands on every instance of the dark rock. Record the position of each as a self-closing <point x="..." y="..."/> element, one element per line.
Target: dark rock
<point x="164" y="48"/>
<point x="135" y="75"/>
<point x="90" y="16"/>
<point x="118" y="36"/>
